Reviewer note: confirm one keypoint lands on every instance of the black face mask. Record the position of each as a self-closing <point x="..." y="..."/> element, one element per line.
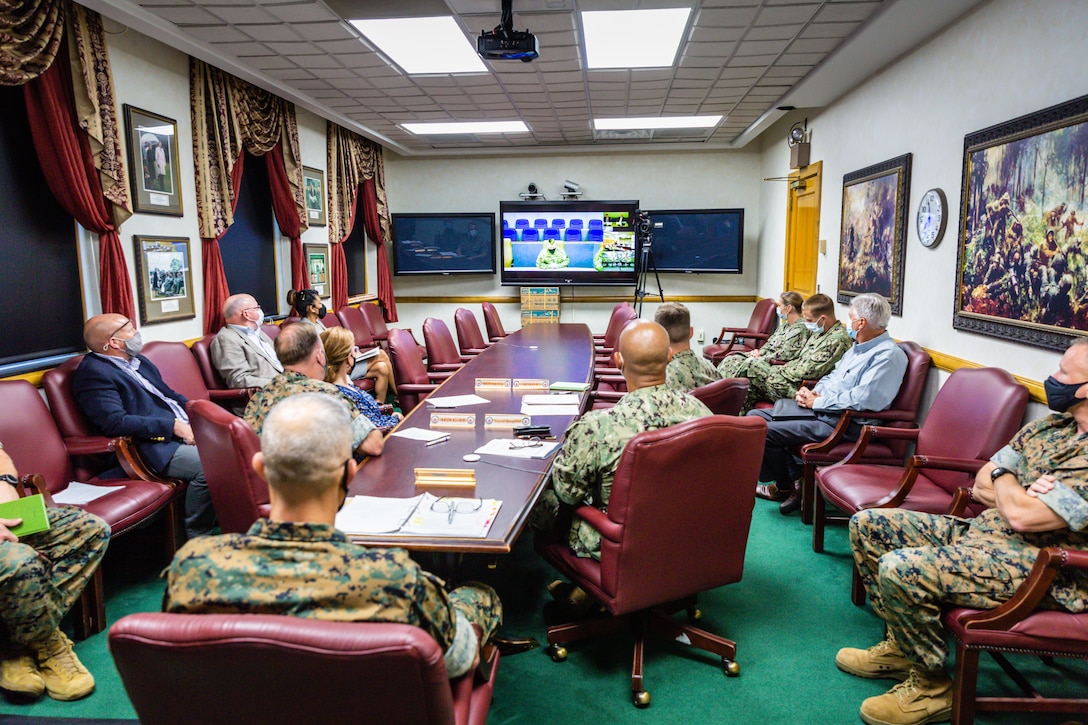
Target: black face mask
<point x="1060" y="397"/>
<point x="321" y="312"/>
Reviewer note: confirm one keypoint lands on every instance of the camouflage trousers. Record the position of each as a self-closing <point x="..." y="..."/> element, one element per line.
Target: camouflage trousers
<point x="765" y="382"/>
<point x="42" y="576"/>
<point x="913" y="563"/>
<point x="480" y="605"/>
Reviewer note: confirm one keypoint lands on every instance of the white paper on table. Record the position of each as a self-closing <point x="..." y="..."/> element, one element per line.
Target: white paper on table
<point x="501" y="447"/>
<point x="375" y="514"/>
<point x="475" y="523"/>
<point x="455" y="401"/>
<point x="551" y="399"/>
<point x="78" y="493"/>
<point x="420" y="434"/>
<point x="535" y="410"/>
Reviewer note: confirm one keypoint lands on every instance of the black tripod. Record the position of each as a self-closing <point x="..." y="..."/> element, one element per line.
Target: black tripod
<point x="645" y="263"/>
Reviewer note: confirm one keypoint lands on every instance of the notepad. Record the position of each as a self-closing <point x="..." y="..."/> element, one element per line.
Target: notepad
<point x="423" y="515"/>
<point x="574" y="387"/>
<point x="81" y="494"/>
<point x="31" y="509"/>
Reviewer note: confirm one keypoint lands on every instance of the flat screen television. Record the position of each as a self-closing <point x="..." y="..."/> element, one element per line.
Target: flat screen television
<point x="568" y="242"/>
<point x="443" y="244"/>
<point x="698" y="240"/>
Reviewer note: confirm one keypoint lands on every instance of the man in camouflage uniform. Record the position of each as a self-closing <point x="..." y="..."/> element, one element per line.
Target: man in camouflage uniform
<point x="784" y="344"/>
<point x="41" y="577"/>
<point x="912" y="563"/>
<point x="303" y="358"/>
<point x="686" y="370"/>
<point x="826" y="341"/>
<point x="295" y="562"/>
<point x="585" y="466"/>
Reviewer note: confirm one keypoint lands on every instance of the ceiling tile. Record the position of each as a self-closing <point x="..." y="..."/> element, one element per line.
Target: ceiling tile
<point x="302" y="13"/>
<point x="846" y="12"/>
<point x="242" y="15"/>
<point x="190" y="15"/>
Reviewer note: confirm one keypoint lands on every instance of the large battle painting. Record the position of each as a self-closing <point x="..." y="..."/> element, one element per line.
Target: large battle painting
<point x="1022" y="239"/>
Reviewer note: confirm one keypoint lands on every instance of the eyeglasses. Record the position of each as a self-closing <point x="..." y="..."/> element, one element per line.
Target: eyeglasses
<point x="530" y="443"/>
<point x="456" y="506"/>
<point x="123" y="325"/>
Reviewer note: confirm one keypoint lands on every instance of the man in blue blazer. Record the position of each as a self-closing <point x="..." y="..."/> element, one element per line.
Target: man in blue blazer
<point x="122" y="394"/>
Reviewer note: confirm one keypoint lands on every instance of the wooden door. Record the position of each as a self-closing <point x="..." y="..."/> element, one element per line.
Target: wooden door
<point x="803" y="229"/>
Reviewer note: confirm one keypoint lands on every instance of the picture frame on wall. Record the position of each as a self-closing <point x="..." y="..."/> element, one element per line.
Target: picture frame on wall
<point x="873" y="241"/>
<point x="165" y="279"/>
<point x="152" y="142"/>
<point x="1021" y="259"/>
<point x="313" y="181"/>
<point x="317" y="267"/>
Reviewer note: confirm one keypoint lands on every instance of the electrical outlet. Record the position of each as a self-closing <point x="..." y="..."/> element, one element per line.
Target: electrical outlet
<point x="699" y="335"/>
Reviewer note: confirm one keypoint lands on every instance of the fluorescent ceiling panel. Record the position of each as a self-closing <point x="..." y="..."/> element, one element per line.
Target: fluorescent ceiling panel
<point x="424" y="129"/>
<point x="423" y="45"/>
<point x="623" y="124"/>
<point x="633" y="38"/>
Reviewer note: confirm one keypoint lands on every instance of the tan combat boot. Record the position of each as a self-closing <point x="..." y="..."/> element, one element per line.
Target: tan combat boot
<point x="884" y="661"/>
<point x="65" y="676"/>
<point x="924" y="697"/>
<point x="19" y="673"/>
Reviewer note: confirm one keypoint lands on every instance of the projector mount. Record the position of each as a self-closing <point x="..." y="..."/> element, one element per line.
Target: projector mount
<point x="505" y="43"/>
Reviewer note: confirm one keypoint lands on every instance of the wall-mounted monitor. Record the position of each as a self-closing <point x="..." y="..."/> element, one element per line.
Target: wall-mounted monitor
<point x="443" y="244"/>
<point x="699" y="240"/>
<point x="568" y="242"/>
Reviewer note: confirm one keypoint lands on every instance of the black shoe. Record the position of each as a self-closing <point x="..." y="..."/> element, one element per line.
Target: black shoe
<point x="791" y="504"/>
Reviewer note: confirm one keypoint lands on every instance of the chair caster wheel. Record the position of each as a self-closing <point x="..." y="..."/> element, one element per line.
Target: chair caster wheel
<point x="694" y="614"/>
<point x="732" y="667"/>
<point x="557" y="653"/>
<point x="641" y="698"/>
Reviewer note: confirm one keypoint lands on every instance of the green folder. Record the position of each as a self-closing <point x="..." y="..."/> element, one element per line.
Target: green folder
<point x="574" y="387"/>
<point x="31" y="509"/>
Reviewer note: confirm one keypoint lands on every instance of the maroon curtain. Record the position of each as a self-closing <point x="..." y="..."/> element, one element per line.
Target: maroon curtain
<point x="372" y="224"/>
<point x="65" y="156"/>
<point x="286" y="210"/>
<point x="216" y="290"/>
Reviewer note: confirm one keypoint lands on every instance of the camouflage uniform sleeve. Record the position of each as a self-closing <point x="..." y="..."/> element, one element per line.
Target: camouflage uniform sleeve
<point x="574" y="476"/>
<point x="819" y="356"/>
<point x="1065" y="502"/>
<point x="1007" y="457"/>
<point x="786" y="342"/>
<point x="432" y="606"/>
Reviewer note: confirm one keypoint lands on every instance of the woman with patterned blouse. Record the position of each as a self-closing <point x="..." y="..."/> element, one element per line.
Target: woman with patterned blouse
<point x="340" y="359"/>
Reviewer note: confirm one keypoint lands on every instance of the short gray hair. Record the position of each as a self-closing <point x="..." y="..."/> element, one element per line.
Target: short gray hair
<point x="872" y="308"/>
<point x="305" y="441"/>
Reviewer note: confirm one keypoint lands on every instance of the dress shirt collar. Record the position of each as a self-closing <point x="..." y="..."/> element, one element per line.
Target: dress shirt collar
<point x="863" y="347"/>
<point x="133" y="363"/>
<point x="294" y="531"/>
<point x="246" y="330"/>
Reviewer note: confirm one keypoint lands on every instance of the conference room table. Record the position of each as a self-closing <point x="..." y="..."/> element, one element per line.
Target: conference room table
<point x="555" y="352"/>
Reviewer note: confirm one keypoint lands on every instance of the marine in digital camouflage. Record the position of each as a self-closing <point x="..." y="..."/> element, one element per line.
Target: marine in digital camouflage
<point x="687" y="371"/>
<point x="312" y="571"/>
<point x="586" y="464"/>
<point x="818" y="356"/>
<point x="926" y="561"/>
<point x="290" y="383"/>
<point x="42" y="575"/>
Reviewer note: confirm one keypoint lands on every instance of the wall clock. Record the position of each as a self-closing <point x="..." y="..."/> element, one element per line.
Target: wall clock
<point x="932" y="218"/>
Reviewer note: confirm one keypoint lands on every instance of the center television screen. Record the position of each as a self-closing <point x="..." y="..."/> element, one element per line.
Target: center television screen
<point x="568" y="242"/>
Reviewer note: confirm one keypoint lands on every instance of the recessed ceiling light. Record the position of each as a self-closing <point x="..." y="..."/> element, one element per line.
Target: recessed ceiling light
<point x="620" y="124"/>
<point x="633" y="38"/>
<point x="424" y="129"/>
<point x="423" y="45"/>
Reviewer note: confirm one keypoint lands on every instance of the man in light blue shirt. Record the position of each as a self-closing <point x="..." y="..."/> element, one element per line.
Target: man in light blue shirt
<point x="866" y="378"/>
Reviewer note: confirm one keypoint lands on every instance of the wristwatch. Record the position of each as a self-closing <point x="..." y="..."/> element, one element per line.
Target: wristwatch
<point x="8" y="478"/>
<point x="998" y="473"/>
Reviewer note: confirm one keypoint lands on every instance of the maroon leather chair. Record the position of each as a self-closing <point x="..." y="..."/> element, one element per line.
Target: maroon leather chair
<point x="1018" y="627"/>
<point x="178" y="367"/>
<point x="235" y="668"/>
<point x="213" y="381"/>
<point x="760" y="326"/>
<point x="353" y="319"/>
<point x="492" y="322"/>
<point x="270" y="330"/>
<point x="470" y="341"/>
<point x="902" y="413"/>
<point x="414" y="382"/>
<point x="975" y="413"/>
<point x="30" y="436"/>
<point x="606" y="344"/>
<point x="704" y="515"/>
<point x="380" y="331"/>
<point x="442" y="354"/>
<point x="723" y="397"/>
<point x="226" y="445"/>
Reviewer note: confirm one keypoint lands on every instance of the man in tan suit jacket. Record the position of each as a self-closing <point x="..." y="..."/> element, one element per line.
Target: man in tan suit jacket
<point x="241" y="352"/>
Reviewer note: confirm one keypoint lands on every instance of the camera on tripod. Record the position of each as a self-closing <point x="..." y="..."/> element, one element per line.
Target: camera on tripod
<point x="645" y="225"/>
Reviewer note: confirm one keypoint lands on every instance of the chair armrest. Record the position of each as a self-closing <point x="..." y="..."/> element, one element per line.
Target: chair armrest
<point x="910" y="475"/>
<point x="417" y="387"/>
<point x="34" y="483"/>
<point x="231" y="394"/>
<point x="89" y="445"/>
<point x="966" y="465"/>
<point x="837" y="436"/>
<point x="609" y="396"/>
<point x="385" y="409"/>
<point x="1031" y="592"/>
<point x="446" y="367"/>
<point x="612" y="380"/>
<point x="599" y="520"/>
<point x="471" y="352"/>
<point x="133" y="464"/>
<point x="437" y="376"/>
<point x="960" y="499"/>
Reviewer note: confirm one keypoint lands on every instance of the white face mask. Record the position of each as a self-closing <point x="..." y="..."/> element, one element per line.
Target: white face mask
<point x="814" y="327"/>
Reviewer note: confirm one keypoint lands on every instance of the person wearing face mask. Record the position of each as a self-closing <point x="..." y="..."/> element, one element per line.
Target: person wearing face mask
<point x="913" y="564"/>
<point x="308" y="306"/>
<point x="784" y="344"/>
<point x="241" y="351"/>
<point x="122" y="394"/>
<point x="283" y="564"/>
<point x="299" y="350"/>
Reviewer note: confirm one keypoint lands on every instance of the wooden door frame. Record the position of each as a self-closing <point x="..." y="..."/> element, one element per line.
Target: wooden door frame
<point x="806" y="173"/>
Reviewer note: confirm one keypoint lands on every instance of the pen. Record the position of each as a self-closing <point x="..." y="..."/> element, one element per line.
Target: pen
<point x="452" y="510"/>
<point x="438" y="440"/>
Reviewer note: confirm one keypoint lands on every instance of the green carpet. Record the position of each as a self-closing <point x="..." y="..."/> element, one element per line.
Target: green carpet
<point x="789" y="615"/>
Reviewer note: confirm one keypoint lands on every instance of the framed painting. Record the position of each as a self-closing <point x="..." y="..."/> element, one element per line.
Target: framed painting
<point x="313" y="181"/>
<point x="165" y="279"/>
<point x="153" y="162"/>
<point x="873" y="242"/>
<point x="1021" y="262"/>
<point x="317" y="267"/>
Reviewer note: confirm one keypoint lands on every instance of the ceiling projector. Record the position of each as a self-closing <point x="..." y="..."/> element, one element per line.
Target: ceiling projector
<point x="503" y="44"/>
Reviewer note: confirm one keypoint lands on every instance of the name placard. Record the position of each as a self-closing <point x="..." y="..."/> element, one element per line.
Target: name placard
<point x="453" y="420"/>
<point x="492" y="383"/>
<point x="445" y="477"/>
<point x="530" y="384"/>
<point x="505" y="420"/>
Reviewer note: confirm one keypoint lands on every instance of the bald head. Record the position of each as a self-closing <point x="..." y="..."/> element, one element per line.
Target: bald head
<point x="643" y="353"/>
<point x="99" y="329"/>
<point x="237" y="307"/>
<point x="299" y="349"/>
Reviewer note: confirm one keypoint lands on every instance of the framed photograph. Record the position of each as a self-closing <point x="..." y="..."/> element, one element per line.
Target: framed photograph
<point x="317" y="267"/>
<point x="873" y="243"/>
<point x="165" y="279"/>
<point x="313" y="181"/>
<point x="1021" y="262"/>
<point x="153" y="162"/>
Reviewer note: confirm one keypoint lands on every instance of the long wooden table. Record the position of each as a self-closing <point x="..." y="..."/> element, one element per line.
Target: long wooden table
<point x="555" y="352"/>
